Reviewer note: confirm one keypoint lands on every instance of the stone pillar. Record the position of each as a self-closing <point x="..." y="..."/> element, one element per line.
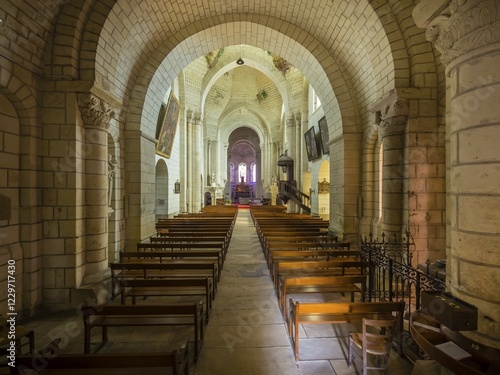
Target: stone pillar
<point x="394" y="118"/>
<point x="197" y="156"/>
<point x="190" y="161"/>
<point x="298" y="154"/>
<point x="96" y="116"/>
<point x="467" y="34"/>
<point x="291" y="139"/>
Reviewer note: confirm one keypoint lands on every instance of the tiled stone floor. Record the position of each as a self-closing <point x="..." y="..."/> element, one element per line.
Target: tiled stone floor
<point x="246" y="333"/>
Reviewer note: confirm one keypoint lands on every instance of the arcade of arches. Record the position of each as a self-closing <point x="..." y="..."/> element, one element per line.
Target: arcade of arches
<point x="407" y="94"/>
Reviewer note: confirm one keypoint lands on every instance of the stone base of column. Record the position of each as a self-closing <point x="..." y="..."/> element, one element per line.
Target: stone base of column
<point x="91" y="294"/>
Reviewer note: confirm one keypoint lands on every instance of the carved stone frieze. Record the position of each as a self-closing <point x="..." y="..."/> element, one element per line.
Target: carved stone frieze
<point x="464" y="26"/>
<point x="95" y="112"/>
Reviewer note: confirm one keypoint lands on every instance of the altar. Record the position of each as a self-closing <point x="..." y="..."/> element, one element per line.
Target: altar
<point x="242" y="190"/>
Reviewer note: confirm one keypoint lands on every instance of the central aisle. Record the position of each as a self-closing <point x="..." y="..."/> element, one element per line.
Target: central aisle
<point x="246" y="334"/>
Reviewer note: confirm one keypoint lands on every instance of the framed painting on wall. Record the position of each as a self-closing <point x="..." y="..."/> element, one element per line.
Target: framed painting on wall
<point x="323" y="132"/>
<point x="168" y="127"/>
<point x="311" y="144"/>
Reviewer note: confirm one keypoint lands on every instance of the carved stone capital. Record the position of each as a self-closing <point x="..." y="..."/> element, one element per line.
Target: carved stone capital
<point x="197" y="118"/>
<point x="298" y="118"/>
<point x="95" y="112"/>
<point x="189" y="116"/>
<point x="464" y="26"/>
<point x="394" y="116"/>
<point x="290" y="121"/>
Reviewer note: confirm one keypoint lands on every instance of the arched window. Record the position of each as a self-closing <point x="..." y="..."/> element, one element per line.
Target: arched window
<point x="242" y="172"/>
<point x="316" y="102"/>
<point x="231" y="173"/>
<point x="253" y="172"/>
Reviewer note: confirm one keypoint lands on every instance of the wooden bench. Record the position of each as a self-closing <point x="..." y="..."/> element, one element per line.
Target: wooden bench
<point x="106" y="316"/>
<point x="175" y="362"/>
<point x="185" y="247"/>
<point x="320" y="284"/>
<point x="334" y="250"/>
<point x="175" y="269"/>
<point x="193" y="238"/>
<point x="172" y="257"/>
<point x="338" y="312"/>
<point x="134" y="288"/>
<point x="332" y="267"/>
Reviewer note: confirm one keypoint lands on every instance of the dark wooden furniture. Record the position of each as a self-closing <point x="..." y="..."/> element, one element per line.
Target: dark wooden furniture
<point x="172" y="257"/>
<point x="339" y="312"/>
<point x="175" y="362"/>
<point x="155" y="270"/>
<point x="428" y="332"/>
<point x="106" y="316"/>
<point x="134" y="288"/>
<point x="320" y="284"/>
<point x="332" y="267"/>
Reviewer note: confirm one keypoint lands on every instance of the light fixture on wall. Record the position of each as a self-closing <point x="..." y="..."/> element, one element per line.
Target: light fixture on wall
<point x="240" y="61"/>
<point x="177" y="187"/>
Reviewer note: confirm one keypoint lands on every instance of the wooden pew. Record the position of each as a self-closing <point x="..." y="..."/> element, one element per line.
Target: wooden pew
<point x="134" y="288"/>
<point x="332" y="267"/>
<point x="320" y="284"/>
<point x="192" y="238"/>
<point x="172" y="257"/>
<point x="168" y="246"/>
<point x="338" y="312"/>
<point x="333" y="247"/>
<point x="106" y="316"/>
<point x="175" y="269"/>
<point x="175" y="362"/>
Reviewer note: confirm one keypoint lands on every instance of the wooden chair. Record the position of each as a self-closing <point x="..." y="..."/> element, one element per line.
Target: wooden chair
<point x="376" y="341"/>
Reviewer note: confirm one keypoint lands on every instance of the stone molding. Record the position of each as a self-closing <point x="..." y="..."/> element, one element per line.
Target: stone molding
<point x="464" y="26"/>
<point x="95" y="112"/>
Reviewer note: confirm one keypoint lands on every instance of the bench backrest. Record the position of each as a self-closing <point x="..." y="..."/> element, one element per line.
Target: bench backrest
<point x="306" y="264"/>
<point x="170" y="254"/>
<point x="162" y="266"/>
<point x="138" y="310"/>
<point x="317" y="252"/>
<point x="324" y="280"/>
<point x="153" y="283"/>
<point x="183" y="246"/>
<point x="352" y="308"/>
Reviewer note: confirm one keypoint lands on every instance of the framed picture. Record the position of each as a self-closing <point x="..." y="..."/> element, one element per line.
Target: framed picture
<point x="159" y="122"/>
<point x="323" y="132"/>
<point x="168" y="127"/>
<point x="311" y="144"/>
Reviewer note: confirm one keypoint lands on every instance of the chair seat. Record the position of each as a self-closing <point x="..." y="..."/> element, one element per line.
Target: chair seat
<point x="376" y="348"/>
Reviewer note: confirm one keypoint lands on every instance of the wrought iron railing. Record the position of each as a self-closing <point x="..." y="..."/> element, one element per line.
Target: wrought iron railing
<point x="391" y="276"/>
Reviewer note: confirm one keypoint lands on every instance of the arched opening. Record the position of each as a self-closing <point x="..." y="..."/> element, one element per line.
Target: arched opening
<point x="161" y="190"/>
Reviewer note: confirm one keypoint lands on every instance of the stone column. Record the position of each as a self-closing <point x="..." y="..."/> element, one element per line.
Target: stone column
<point x="298" y="154"/>
<point x="197" y="155"/>
<point x="96" y="116"/>
<point x="190" y="160"/>
<point x="290" y="135"/>
<point x="394" y="118"/>
<point x="467" y="34"/>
